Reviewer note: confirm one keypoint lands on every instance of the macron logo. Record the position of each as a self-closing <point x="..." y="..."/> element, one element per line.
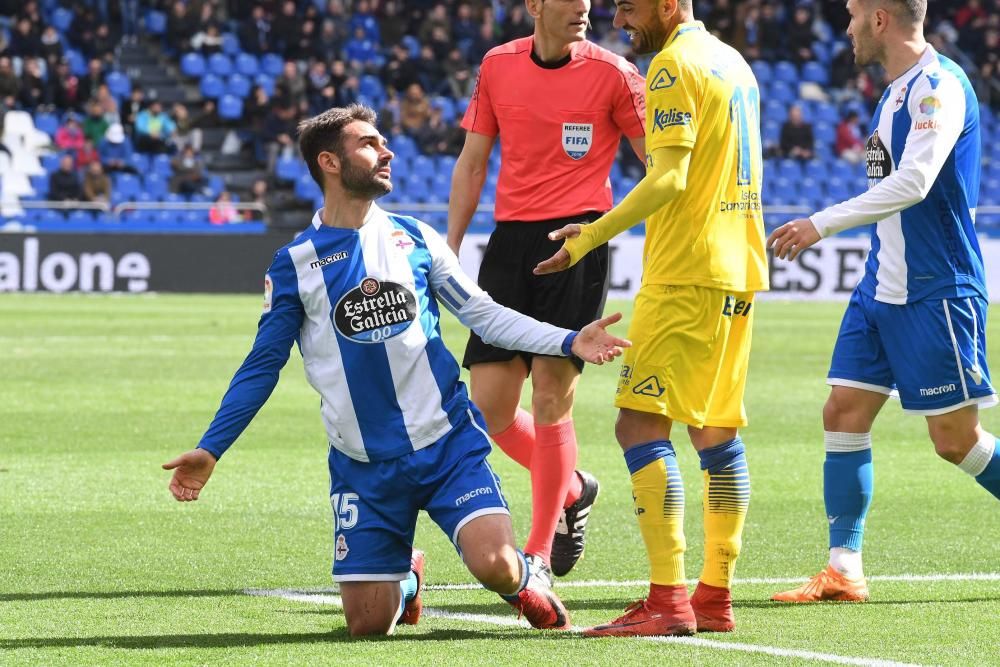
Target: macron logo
<point x="329" y="259"/>
<point x="481" y="491"/>
<point x="937" y="391"/>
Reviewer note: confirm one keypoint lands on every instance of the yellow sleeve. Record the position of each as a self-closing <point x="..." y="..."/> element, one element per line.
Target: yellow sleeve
<point x="671" y="105"/>
<point x="666" y="177"/>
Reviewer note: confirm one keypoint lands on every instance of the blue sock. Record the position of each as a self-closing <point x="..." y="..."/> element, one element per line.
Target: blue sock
<point x="408" y="588"/>
<point x="989" y="478"/>
<point x="983" y="463"/>
<point x="640" y="456"/>
<point x="848" y="483"/>
<point x="714" y="459"/>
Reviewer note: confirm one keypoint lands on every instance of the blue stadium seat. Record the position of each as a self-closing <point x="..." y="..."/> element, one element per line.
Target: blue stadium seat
<point x="447" y="107"/>
<point x="247" y="65"/>
<point x="446" y="164"/>
<point x="786" y="71"/>
<point x="220" y="64"/>
<point x="289" y="169"/>
<point x="47" y="123"/>
<point x="230" y="107"/>
<point x="827" y="113"/>
<point x="230" y="44"/>
<point x="80" y="216"/>
<point x="238" y="85"/>
<point x="423" y="165"/>
<point x="821" y="49"/>
<point x="272" y="64"/>
<point x="762" y="70"/>
<point x="193" y="65"/>
<point x="824" y="134"/>
<point x="815" y="73"/>
<point x="77" y="63"/>
<point x="118" y="84"/>
<point x="306" y="188"/>
<point x="156" y="22"/>
<point x="403" y="145"/>
<point x="139" y="162"/>
<point x="413" y="44"/>
<point x="161" y="165"/>
<point x="126" y="186"/>
<point x="62" y="19"/>
<point x="816" y="170"/>
<point x="265" y="81"/>
<point x="371" y="87"/>
<point x="775" y="111"/>
<point x="783" y="93"/>
<point x="212" y="86"/>
<point x="40" y="183"/>
<point x="157" y="186"/>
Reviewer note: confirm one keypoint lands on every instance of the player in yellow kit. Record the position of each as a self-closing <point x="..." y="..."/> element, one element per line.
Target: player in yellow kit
<point x="704" y="259"/>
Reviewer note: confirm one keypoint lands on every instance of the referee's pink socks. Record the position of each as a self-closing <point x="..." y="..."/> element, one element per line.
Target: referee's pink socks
<point x="518" y="442"/>
<point x="553" y="467"/>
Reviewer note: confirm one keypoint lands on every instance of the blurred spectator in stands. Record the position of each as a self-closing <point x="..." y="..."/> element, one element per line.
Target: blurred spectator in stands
<point x="391" y="23"/>
<point x="208" y="40"/>
<point x="9" y="85"/>
<point x="359" y="49"/>
<point x="24" y="43"/>
<point x="116" y="150"/>
<point x="132" y="107"/>
<point x="328" y="44"/>
<point x="189" y="172"/>
<point x="440" y="41"/>
<point x="746" y="30"/>
<point x="291" y="85"/>
<point x="31" y="11"/>
<point x="460" y="79"/>
<point x="364" y="17"/>
<point x="517" y="24"/>
<point x="154" y="129"/>
<point x="70" y="136"/>
<point x="325" y="99"/>
<point x="613" y="42"/>
<point x="31" y="92"/>
<point x="92" y="79"/>
<point x="346" y="84"/>
<point x="850" y="146"/>
<point x="432" y="75"/>
<point x="64" y="184"/>
<point x="187" y="134"/>
<point x="771" y="32"/>
<point x="842" y="68"/>
<point x="95" y="124"/>
<point x="464" y="29"/>
<point x="64" y="88"/>
<point x="223" y="212"/>
<point x="414" y="109"/>
<point x="800" y="35"/>
<point x="305" y="44"/>
<point x="82" y="29"/>
<point x="400" y="70"/>
<point x="256" y="109"/>
<point x="968" y="13"/>
<point x="102" y="45"/>
<point x="180" y="24"/>
<point x="719" y="20"/>
<point x="87" y="154"/>
<point x="50" y="46"/>
<point x="280" y="127"/>
<point x="317" y="78"/>
<point x="797" y="136"/>
<point x="96" y="184"/>
<point x="987" y="89"/>
<point x="285" y="27"/>
<point x="437" y="137"/>
<point x="255" y="33"/>
<point x="258" y="195"/>
<point x="389" y="115"/>
<point x="108" y="102"/>
<point x="437" y="17"/>
<point x="130" y="20"/>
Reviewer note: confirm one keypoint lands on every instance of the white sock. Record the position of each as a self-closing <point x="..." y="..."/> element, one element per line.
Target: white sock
<point x="847" y="562"/>
<point x="979" y="456"/>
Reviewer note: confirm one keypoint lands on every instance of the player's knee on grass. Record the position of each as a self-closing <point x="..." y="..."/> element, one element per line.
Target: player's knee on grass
<point x="370" y="608"/>
<point x="954" y="433"/>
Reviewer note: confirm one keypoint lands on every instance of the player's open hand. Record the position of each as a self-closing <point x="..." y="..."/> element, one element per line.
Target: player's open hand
<point x="792" y="238"/>
<point x="191" y="472"/>
<point x="595" y="345"/>
<point x="559" y="261"/>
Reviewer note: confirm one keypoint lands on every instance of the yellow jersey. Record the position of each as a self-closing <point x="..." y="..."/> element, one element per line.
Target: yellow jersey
<point x="701" y="93"/>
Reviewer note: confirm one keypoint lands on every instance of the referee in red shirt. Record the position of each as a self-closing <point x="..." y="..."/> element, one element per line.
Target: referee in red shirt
<point x="559" y="105"/>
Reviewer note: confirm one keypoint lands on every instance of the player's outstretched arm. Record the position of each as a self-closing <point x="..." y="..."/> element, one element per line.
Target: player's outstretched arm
<point x="191" y="472"/>
<point x="665" y="178"/>
<point x="792" y="238"/>
<point x="595" y="345"/>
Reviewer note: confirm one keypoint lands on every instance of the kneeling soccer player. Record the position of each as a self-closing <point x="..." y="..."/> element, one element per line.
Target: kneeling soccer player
<point x="357" y="291"/>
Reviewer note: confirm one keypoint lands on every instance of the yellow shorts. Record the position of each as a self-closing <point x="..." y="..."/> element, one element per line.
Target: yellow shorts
<point x="689" y="355"/>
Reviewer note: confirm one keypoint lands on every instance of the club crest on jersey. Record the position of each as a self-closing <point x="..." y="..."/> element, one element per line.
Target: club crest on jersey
<point x="375" y="311"/>
<point x="900" y="98"/>
<point x="662" y="80"/>
<point x="402" y="241"/>
<point x="577" y="139"/>
<point x="342" y="549"/>
<point x="268" y="289"/>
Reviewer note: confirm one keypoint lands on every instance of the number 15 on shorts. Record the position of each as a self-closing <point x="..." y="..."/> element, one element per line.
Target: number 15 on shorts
<point x="345" y="510"/>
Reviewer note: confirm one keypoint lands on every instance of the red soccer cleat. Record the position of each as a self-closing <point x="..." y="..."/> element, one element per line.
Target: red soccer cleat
<point x="537" y="602"/>
<point x="411" y="612"/>
<point x="670" y="617"/>
<point x="713" y="608"/>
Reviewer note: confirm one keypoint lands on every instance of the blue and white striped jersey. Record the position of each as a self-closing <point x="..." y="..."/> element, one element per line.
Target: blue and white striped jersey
<point x="923" y="173"/>
<point x="361" y="304"/>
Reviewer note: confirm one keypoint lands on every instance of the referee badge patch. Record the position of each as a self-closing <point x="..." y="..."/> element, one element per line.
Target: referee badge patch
<point x="577" y="139"/>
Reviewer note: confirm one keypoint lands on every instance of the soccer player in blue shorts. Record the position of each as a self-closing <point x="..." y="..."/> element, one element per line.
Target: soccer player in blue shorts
<point x="915" y="324"/>
<point x="358" y="292"/>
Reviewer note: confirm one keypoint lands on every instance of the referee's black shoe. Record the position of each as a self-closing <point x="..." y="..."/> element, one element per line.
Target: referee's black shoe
<point x="570" y="538"/>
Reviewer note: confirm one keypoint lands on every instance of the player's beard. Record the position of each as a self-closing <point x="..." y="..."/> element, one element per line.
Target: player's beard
<point x="364" y="183"/>
<point x="865" y="50"/>
<point x="649" y="40"/>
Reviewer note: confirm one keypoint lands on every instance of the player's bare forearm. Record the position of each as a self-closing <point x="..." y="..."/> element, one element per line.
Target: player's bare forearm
<point x="467" y="185"/>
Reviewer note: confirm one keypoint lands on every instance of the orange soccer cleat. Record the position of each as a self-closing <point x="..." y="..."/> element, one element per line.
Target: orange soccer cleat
<point x="828" y="585"/>
<point x="713" y="608"/>
<point x="668" y="617"/>
<point x="411" y="612"/>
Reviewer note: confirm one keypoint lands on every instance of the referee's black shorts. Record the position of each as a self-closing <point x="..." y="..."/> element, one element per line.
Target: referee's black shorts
<point x="569" y="299"/>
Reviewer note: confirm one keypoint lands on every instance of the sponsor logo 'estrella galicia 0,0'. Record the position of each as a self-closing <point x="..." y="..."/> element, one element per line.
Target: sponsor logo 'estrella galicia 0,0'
<point x="375" y="311"/>
<point x="670" y="118"/>
<point x="877" y="159"/>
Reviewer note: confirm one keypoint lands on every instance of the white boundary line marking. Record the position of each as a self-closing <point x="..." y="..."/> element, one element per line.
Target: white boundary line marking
<point x="510" y="621"/>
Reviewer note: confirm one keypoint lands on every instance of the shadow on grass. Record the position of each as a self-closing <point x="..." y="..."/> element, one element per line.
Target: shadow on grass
<point x="238" y="639"/>
<point x="113" y="595"/>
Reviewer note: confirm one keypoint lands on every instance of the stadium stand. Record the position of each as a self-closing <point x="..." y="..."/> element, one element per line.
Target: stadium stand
<point x="232" y="79"/>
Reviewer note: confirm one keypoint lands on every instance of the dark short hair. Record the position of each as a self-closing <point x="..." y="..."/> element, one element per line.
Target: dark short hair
<point x="911" y="10"/>
<point x="325" y="132"/>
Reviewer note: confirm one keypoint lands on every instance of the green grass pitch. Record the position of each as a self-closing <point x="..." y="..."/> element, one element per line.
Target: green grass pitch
<point x="98" y="564"/>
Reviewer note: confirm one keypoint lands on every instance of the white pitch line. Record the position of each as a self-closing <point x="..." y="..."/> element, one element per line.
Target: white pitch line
<point x="607" y="583"/>
<point x="510" y="621"/>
